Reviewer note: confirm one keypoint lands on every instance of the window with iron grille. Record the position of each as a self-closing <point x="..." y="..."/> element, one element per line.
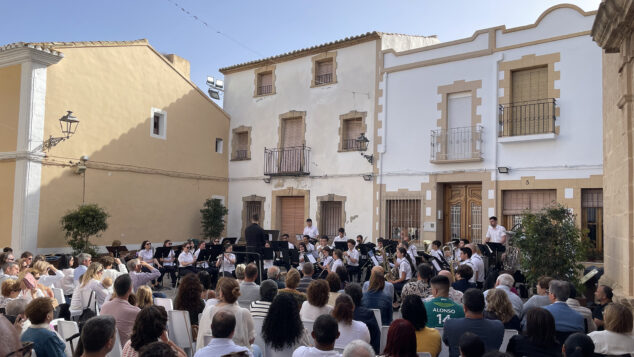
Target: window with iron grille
<point x="352" y="129"/>
<point x="253" y="207"/>
<point x="516" y="202"/>
<point x="330" y="218"/>
<point x="241" y="146"/>
<point x="265" y="83"/>
<point x="324" y="72"/>
<point x="403" y="215"/>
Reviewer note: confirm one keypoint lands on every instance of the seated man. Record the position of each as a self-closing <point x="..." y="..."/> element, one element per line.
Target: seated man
<point x="308" y="270"/>
<point x="490" y="331"/>
<point x="119" y="307"/>
<point x="249" y="290"/>
<point x="441" y="307"/>
<point x="141" y="278"/>
<point x="98" y="336"/>
<point x="603" y="295"/>
<point x="505" y="282"/>
<point x="268" y="290"/>
<point x="567" y="320"/>
<point x="325" y="333"/>
<point x="273" y="273"/>
<point x="223" y="325"/>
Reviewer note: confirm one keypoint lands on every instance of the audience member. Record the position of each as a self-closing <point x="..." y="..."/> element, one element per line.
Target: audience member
<point x="358" y="348"/>
<point x="578" y="345"/>
<point x="90" y="282"/>
<point x="401" y="339"/>
<point x="205" y="280"/>
<point x="268" y="291"/>
<point x="139" y="277"/>
<point x="584" y="311"/>
<point x="273" y="273"/>
<point x="308" y="270"/>
<point x="43" y="268"/>
<point x="349" y="329"/>
<point x="292" y="281"/>
<point x="539" y="339"/>
<point x="227" y="292"/>
<point x="240" y="270"/>
<point x="617" y="337"/>
<point x="149" y="326"/>
<point x="10" y="290"/>
<point x="83" y="261"/>
<point x="188" y="297"/>
<point x="490" y="331"/>
<point x="249" y="290"/>
<point x="498" y="307"/>
<point x="566" y="319"/>
<point x="46" y="342"/>
<point x="316" y="304"/>
<point x="427" y="339"/>
<point x="67" y="284"/>
<point x="603" y="296"/>
<point x="344" y="276"/>
<point x="223" y="327"/>
<point x="325" y="333"/>
<point x="15" y="312"/>
<point x="375" y="297"/>
<point x="11" y="345"/>
<point x="334" y="285"/>
<point x="388" y="288"/>
<point x="454" y="295"/>
<point x="471" y="345"/>
<point x="283" y="330"/>
<point x="123" y="312"/>
<point x="505" y="282"/>
<point x="421" y="286"/>
<point x="464" y="275"/>
<point x="108" y="271"/>
<point x="97" y="337"/>
<point x="540" y="299"/>
<point x="10" y="271"/>
<point x="144" y="297"/>
<point x="157" y="349"/>
<point x="365" y="315"/>
<point x="441" y="307"/>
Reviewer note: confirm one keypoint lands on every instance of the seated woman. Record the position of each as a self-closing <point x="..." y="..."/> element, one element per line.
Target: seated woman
<point x="292" y="281"/>
<point x="146" y="254"/>
<point x="46" y="342"/>
<point x="405" y="270"/>
<point x="617" y="337"/>
<point x="10" y="290"/>
<point x="316" y="304"/>
<point x="334" y="284"/>
<point x="205" y="280"/>
<point x="150" y="326"/>
<point x="144" y="297"/>
<point x="283" y="330"/>
<point x="578" y="345"/>
<point x="349" y="329"/>
<point x="226" y="264"/>
<point x="227" y="293"/>
<point x="427" y="339"/>
<point x="90" y="282"/>
<point x="43" y="268"/>
<point x="401" y="339"/>
<point x="188" y="297"/>
<point x="463" y="274"/>
<point x="498" y="307"/>
<point x="374" y="298"/>
<point x="539" y="339"/>
<point x="67" y="284"/>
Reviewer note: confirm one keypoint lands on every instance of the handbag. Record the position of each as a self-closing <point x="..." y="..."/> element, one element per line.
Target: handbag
<point x="86" y="314"/>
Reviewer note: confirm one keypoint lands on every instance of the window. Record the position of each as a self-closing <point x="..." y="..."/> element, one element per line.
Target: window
<point x="158" y="123"/>
<point x="323" y="73"/>
<point x="219" y="145"/>
<point x="265" y="83"/>
<point x="352" y="129"/>
<point x="403" y="215"/>
<point x="592" y="216"/>
<point x="516" y="202"/>
<point x="330" y="218"/>
<point x="242" y="140"/>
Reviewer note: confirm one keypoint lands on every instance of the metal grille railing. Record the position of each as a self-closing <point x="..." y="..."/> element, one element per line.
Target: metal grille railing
<point x="527" y="118"/>
<point x="354" y="144"/>
<point x="456" y="143"/>
<point x="323" y="78"/>
<point x="403" y="215"/>
<point x="241" y="154"/>
<point x="289" y="161"/>
<point x="268" y="89"/>
<point x="330" y="218"/>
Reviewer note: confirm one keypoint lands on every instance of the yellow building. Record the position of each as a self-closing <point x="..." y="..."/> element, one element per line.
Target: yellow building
<point x="613" y="30"/>
<point x="154" y="143"/>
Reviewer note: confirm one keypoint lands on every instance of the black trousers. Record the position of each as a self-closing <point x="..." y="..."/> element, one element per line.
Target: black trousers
<point x="353" y="271"/>
<point x="171" y="270"/>
<point x="182" y="271"/>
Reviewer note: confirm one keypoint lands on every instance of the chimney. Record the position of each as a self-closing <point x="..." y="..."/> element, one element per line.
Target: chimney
<point x="181" y="64"/>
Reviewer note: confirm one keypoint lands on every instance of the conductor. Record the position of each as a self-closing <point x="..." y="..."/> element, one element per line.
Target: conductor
<point x="255" y="237"/>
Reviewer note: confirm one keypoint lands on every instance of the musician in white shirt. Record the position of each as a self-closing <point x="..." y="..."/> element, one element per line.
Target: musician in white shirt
<point x="495" y="232"/>
<point x="323" y="243"/>
<point x="227" y="262"/>
<point x="169" y="264"/>
<point x="478" y="262"/>
<point x="341" y="236"/>
<point x="146" y="254"/>
<point x="326" y="259"/>
<point x="310" y="230"/>
<point x="337" y="255"/>
<point x="465" y="257"/>
<point x="186" y="260"/>
<point x="310" y="248"/>
<point x="352" y="256"/>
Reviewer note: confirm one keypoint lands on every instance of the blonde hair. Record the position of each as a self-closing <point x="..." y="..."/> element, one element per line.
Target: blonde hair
<point x="106" y="282"/>
<point x="94" y="269"/>
<point x="292" y="278"/>
<point x="41" y="266"/>
<point x="10" y="286"/>
<point x="499" y="303"/>
<point x="229" y="288"/>
<point x="618" y="318"/>
<point x="240" y="271"/>
<point x="377" y="281"/>
<point x="143" y="296"/>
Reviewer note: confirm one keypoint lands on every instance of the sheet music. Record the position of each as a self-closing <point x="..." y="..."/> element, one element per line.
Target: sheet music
<point x="374" y="261"/>
<point x="311" y="258"/>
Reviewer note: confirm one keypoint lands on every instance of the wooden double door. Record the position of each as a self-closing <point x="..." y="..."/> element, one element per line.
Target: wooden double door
<point x="463" y="211"/>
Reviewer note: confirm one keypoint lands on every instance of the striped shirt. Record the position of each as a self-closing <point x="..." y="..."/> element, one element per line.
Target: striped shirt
<point x="303" y="283"/>
<point x="259" y="308"/>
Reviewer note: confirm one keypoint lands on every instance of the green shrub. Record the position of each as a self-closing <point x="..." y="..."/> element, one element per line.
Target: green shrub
<point x="213" y="218"/>
<point x="81" y="224"/>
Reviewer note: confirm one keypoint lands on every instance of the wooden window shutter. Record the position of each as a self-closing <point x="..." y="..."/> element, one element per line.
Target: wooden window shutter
<point x="592" y="198"/>
<point x="529" y="84"/>
<point x="324" y="67"/>
<point x="518" y="201"/>
<point x="330" y="218"/>
<point x="266" y="79"/>
<point x="243" y="140"/>
<point x="292" y="132"/>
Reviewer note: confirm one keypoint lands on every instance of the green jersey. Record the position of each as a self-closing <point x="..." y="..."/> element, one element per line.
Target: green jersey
<point x="440" y="309"/>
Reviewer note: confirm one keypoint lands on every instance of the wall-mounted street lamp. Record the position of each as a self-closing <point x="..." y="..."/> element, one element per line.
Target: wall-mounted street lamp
<point x="362" y="141"/>
<point x="367" y="177"/>
<point x="503" y="170"/>
<point x="68" y="124"/>
<point x="216" y="86"/>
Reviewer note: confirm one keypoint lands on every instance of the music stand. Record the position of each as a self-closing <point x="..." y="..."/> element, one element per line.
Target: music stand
<point x="232" y="240"/>
<point x="364" y="248"/>
<point x="116" y="250"/>
<point x="497" y="248"/>
<point x="215" y="250"/>
<point x="486" y="250"/>
<point x="240" y="258"/>
<point x="204" y="255"/>
<point x="341" y="245"/>
<point x="294" y="255"/>
<point x="267" y="253"/>
<point x="161" y="252"/>
<point x="273" y="234"/>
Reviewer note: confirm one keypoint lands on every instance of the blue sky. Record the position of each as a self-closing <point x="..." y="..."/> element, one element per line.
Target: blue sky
<point x="259" y="28"/>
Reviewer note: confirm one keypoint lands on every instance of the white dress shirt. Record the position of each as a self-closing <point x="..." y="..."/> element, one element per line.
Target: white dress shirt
<point x="311" y="231"/>
<point x="411" y="250"/>
<point x="478" y="263"/>
<point x="338" y="263"/>
<point x="185" y="258"/>
<point x="495" y="234"/>
<point x="170" y="257"/>
<point x="405" y="268"/>
<point x="357" y="330"/>
<point x="612" y="343"/>
<point x="227" y="265"/>
<point x="221" y="347"/>
<point x="354" y="254"/>
<point x="326" y="261"/>
<point x="146" y="255"/>
<point x="340" y="239"/>
<point x="49" y="280"/>
<point x="305" y="351"/>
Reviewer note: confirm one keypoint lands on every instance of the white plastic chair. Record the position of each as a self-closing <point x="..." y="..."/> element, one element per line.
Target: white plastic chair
<point x="257" y="326"/>
<point x="116" y="349"/>
<point x="507" y="337"/>
<point x="59" y="295"/>
<point x="377" y="315"/>
<point x="168" y="304"/>
<point x="180" y="330"/>
<point x="66" y="329"/>
<point x="384" y="337"/>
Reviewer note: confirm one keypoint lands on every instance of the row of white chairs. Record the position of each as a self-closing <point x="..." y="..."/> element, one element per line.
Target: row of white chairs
<point x="68" y="329"/>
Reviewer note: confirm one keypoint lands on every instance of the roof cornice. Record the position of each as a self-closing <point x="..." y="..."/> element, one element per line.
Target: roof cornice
<point x="21" y="52"/>
<point x="614" y="24"/>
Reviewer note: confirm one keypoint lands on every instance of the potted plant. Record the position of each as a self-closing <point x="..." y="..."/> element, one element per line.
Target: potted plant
<point x="82" y="223"/>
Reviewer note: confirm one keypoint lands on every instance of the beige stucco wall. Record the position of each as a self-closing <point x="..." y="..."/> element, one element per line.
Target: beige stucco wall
<point x="152" y="188"/>
<point x="9" y="113"/>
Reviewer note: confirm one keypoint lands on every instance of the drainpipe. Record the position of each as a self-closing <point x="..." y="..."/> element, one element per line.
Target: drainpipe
<point x="496" y="96"/>
<point x="380" y="181"/>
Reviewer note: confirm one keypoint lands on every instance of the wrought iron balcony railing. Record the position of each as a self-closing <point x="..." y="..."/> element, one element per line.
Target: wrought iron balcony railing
<point x="323" y="78"/>
<point x="527" y="118"/>
<point x="288" y="161"/>
<point x="267" y="89"/>
<point x="456" y="144"/>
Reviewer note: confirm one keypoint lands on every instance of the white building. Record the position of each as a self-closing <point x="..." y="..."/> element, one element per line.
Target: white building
<point x="457" y="116"/>
<point x="295" y="119"/>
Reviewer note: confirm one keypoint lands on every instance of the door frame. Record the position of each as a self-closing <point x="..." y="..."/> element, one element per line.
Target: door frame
<point x="466" y="200"/>
<point x="276" y="206"/>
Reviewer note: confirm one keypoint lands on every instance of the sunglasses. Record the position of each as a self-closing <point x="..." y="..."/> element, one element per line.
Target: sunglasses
<point x="25" y="351"/>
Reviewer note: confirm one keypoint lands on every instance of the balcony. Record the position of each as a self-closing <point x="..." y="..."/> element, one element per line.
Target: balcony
<point x="532" y="120"/>
<point x="241" y="155"/>
<point x="456" y="144"/>
<point x="289" y="161"/>
<point x="323" y="78"/>
<point x="265" y="89"/>
<point x="354" y="145"/>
